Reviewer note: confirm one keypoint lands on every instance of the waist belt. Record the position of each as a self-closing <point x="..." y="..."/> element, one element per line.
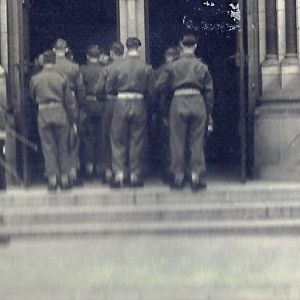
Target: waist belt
<point x="91" y="98"/>
<point x="50" y="105"/>
<point x="131" y="96"/>
<point x="111" y="97"/>
<point x="186" y="92"/>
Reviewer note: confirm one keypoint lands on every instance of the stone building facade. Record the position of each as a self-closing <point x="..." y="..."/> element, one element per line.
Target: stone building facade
<point x="271" y="35"/>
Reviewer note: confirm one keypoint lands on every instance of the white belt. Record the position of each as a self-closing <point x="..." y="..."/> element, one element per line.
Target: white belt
<point x="131" y="96"/>
<point x="91" y="98"/>
<point x="186" y="92"/>
<point x="50" y="105"/>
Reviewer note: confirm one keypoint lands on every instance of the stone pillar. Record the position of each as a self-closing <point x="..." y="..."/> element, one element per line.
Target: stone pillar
<point x="291" y="29"/>
<point x="290" y="64"/>
<point x="271" y="30"/>
<point x="277" y="118"/>
<point x="270" y="66"/>
<point x="132" y="21"/>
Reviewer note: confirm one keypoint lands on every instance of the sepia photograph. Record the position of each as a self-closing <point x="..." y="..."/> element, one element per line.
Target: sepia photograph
<point x="149" y="149"/>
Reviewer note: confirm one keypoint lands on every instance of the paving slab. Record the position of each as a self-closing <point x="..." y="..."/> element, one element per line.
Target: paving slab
<point x="180" y="267"/>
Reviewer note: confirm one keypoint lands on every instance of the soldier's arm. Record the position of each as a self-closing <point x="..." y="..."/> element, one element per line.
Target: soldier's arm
<point x="32" y="92"/>
<point x="111" y="82"/>
<point x="80" y="89"/>
<point x="100" y="85"/>
<point x="70" y="103"/>
<point x="162" y="83"/>
<point x="208" y="92"/>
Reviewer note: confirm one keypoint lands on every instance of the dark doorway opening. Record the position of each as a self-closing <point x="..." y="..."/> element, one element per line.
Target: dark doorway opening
<point x="215" y="24"/>
<point x="81" y="23"/>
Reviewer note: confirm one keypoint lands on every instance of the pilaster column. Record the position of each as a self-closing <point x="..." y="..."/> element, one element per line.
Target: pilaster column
<point x="132" y="21"/>
<point x="291" y="29"/>
<point x="271" y="30"/>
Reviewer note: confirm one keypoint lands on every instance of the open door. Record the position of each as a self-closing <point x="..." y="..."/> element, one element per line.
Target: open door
<point x="242" y="92"/>
<point x="18" y="52"/>
<point x="248" y="61"/>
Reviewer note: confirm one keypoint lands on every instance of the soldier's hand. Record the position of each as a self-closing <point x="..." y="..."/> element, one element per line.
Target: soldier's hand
<point x="166" y="122"/>
<point x="210" y="124"/>
<point x="75" y="128"/>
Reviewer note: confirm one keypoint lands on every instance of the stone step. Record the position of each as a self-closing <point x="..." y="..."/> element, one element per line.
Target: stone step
<point x="141" y="213"/>
<point x="279" y="227"/>
<point x="92" y="196"/>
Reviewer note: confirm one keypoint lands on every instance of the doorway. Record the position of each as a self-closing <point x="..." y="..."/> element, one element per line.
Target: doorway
<point x="80" y="23"/>
<point x="216" y="25"/>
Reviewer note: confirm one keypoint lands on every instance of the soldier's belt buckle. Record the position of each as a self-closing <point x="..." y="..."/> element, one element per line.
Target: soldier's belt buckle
<point x="186" y="92"/>
<point x="131" y="96"/>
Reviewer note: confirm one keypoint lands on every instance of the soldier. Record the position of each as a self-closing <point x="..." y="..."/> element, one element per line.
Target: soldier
<point x="91" y="127"/>
<point x="74" y="76"/>
<point x="162" y="109"/>
<point x="57" y="109"/>
<point x="190" y="81"/>
<point x="116" y="53"/>
<point x="132" y="80"/>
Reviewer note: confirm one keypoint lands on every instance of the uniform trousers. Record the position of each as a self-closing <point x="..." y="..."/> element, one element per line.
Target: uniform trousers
<point x="91" y="134"/>
<point x="54" y="132"/>
<point x="109" y="106"/>
<point x="128" y="136"/>
<point x="187" y="129"/>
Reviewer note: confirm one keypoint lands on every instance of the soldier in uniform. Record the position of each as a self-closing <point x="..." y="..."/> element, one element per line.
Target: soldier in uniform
<point x="57" y="109"/>
<point x="74" y="76"/>
<point x="132" y="80"/>
<point x="162" y="110"/>
<point x="116" y="53"/>
<point x="190" y="81"/>
<point x="93" y="109"/>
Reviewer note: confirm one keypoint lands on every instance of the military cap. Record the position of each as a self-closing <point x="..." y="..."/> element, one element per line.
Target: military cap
<point x="93" y="51"/>
<point x="133" y="42"/>
<point x="117" y="48"/>
<point x="189" y="40"/>
<point x="60" y="44"/>
<point x="49" y="57"/>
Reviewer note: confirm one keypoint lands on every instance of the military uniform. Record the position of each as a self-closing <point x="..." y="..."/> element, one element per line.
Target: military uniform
<point x="108" y="109"/>
<point x="163" y="132"/>
<point x="74" y="76"/>
<point x="56" y="110"/>
<point x="91" y="127"/>
<point x="132" y="81"/>
<point x="191" y="82"/>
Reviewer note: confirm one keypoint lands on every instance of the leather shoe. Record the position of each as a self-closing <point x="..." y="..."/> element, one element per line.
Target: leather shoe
<point x="177" y="184"/>
<point x="136" y="183"/>
<point x="198" y="185"/>
<point x="52" y="187"/>
<point x="116" y="184"/>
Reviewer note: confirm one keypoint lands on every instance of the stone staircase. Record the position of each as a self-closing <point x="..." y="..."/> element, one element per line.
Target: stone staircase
<point x="255" y="208"/>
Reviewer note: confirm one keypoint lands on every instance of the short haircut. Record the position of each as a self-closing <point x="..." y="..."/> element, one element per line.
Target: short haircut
<point x="172" y="51"/>
<point x="133" y="43"/>
<point x="60" y="44"/>
<point x="117" y="48"/>
<point x="189" y="40"/>
<point x="93" y="51"/>
<point x="49" y="57"/>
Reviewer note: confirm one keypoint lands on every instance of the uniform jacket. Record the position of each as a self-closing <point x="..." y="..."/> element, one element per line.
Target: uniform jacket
<point x="74" y="76"/>
<point x="187" y="72"/>
<point x="90" y="74"/>
<point x="100" y="86"/>
<point x="131" y="75"/>
<point x="50" y="86"/>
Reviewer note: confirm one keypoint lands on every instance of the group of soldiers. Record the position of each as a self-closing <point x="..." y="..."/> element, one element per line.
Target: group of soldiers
<point x="93" y="119"/>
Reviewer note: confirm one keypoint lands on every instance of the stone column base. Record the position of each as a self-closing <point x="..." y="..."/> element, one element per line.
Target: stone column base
<point x="277" y="142"/>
